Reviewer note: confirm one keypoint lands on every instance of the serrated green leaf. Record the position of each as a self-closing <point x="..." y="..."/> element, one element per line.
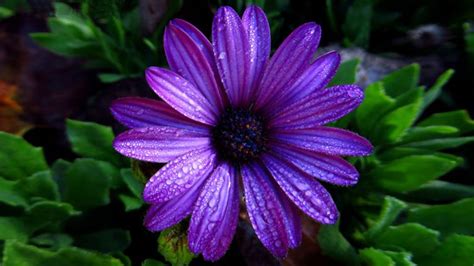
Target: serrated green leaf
<point x="13" y="228"/>
<point x="411" y="237"/>
<point x="441" y="143"/>
<point x="459" y="119"/>
<point x="130" y="202"/>
<point x="437" y="190"/>
<point x="18" y="254"/>
<point x="47" y="213"/>
<point x="400" y="258"/>
<point x="105" y="241"/>
<point x="391" y="208"/>
<point x="87" y="183"/>
<point x="52" y="240"/>
<point x="410" y="172"/>
<point x="93" y="141"/>
<point x="457" y="217"/>
<point x="375" y="257"/>
<point x="376" y="103"/>
<point x="402" y="80"/>
<point x="427" y="133"/>
<point x="456" y="250"/>
<point x="132" y="183"/>
<point x="346" y="73"/>
<point x="18" y="158"/>
<point x="435" y="90"/>
<point x="173" y="245"/>
<point x="335" y="245"/>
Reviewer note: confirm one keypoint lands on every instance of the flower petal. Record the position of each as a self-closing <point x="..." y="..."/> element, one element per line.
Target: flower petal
<point x="256" y="26"/>
<point x="179" y="175"/>
<point x="319" y="108"/>
<point x="231" y="54"/>
<point x="163" y="215"/>
<point x="289" y="61"/>
<point x="327" y="140"/>
<point x="135" y="112"/>
<point x="215" y="216"/>
<point x="307" y="193"/>
<point x="265" y="210"/>
<point x="314" y="78"/>
<point x="159" y="144"/>
<point x="292" y="220"/>
<point x="181" y="95"/>
<point x="325" y="167"/>
<point x="186" y="58"/>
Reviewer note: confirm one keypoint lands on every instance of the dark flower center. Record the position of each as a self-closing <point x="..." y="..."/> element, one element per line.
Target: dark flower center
<point x="239" y="135"/>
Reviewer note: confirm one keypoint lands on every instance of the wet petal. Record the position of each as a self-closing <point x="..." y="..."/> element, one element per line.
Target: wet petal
<point x="231" y="51"/>
<point x="325" y="167"/>
<point x="292" y="220"/>
<point x="135" y="112"/>
<point x="179" y="175"/>
<point x="320" y="107"/>
<point x="215" y="216"/>
<point x="305" y="192"/>
<point x="327" y="140"/>
<point x="265" y="210"/>
<point x="159" y="144"/>
<point x="181" y="95"/>
<point x="163" y="215"/>
<point x="289" y="62"/>
<point x="314" y="78"/>
<point x="256" y="26"/>
<point x="186" y="58"/>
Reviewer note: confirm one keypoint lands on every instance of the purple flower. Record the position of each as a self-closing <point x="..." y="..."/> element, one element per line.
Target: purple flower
<point x="236" y="125"/>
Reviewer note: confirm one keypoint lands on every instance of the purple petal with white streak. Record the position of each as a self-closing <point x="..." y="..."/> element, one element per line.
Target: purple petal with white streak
<point x="231" y="52"/>
<point x="292" y="220"/>
<point x="186" y="58"/>
<point x="305" y="192"/>
<point x="265" y="210"/>
<point x="179" y="175"/>
<point x="327" y="140"/>
<point x="256" y="26"/>
<point x="163" y="215"/>
<point x="181" y="95"/>
<point x="319" y="108"/>
<point x="289" y="61"/>
<point x="214" y="218"/>
<point x="159" y="144"/>
<point x="136" y="112"/>
<point x="325" y="167"/>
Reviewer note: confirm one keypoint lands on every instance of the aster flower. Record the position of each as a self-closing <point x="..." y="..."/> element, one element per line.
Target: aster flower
<point x="237" y="125"/>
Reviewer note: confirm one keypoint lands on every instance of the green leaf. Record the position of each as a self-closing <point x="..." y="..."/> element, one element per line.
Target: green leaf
<point x="356" y="27"/>
<point x="376" y="103"/>
<point x="398" y="152"/>
<point x="391" y="208"/>
<point x="335" y="245"/>
<point x="93" y="141"/>
<point x="110" y="77"/>
<point x="433" y="92"/>
<point x="5" y="12"/>
<point x="52" y="240"/>
<point x="426" y="133"/>
<point x="410" y="172"/>
<point x="402" y="80"/>
<point x="106" y="241"/>
<point x="442" y="191"/>
<point x="457" y="217"/>
<point x="18" y="158"/>
<point x="131" y="203"/>
<point x="69" y="16"/>
<point x="456" y="250"/>
<point x="87" y="183"/>
<point x="13" y="228"/>
<point x="411" y="237"/>
<point x="173" y="245"/>
<point x="441" y="144"/>
<point x="152" y="262"/>
<point x="24" y="191"/>
<point x="393" y="126"/>
<point x="346" y="73"/>
<point x="400" y="258"/>
<point x="135" y="186"/>
<point x="375" y="257"/>
<point x="47" y="213"/>
<point x="459" y="119"/>
<point x="18" y="254"/>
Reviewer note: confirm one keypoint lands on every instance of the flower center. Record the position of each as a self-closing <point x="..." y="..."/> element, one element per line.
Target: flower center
<point x="239" y="135"/>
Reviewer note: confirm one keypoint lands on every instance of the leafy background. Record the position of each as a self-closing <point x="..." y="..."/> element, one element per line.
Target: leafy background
<point x="66" y="198"/>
